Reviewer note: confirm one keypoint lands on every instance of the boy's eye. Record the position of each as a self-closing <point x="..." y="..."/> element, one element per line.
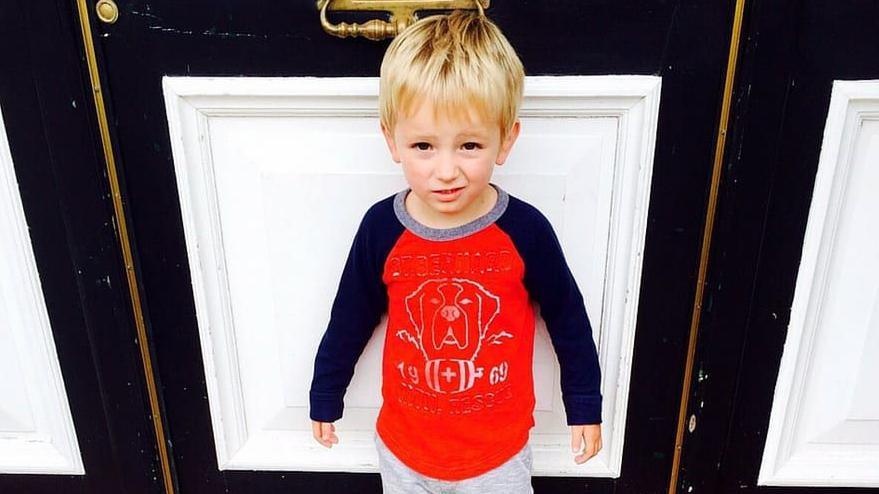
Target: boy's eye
<point x="468" y="146"/>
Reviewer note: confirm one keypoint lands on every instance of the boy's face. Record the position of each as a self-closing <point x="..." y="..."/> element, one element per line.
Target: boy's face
<point x="448" y="161"/>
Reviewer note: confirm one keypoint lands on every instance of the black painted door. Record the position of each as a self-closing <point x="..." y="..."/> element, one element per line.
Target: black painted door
<point x="685" y="43"/>
<point x="49" y="120"/>
<point x="792" y="52"/>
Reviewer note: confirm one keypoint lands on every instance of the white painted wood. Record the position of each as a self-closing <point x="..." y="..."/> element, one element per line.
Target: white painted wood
<point x="274" y="175"/>
<point x="824" y="426"/>
<point x="36" y="428"/>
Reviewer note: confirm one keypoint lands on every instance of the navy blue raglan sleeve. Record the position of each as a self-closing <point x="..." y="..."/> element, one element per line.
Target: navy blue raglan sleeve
<point x="550" y="282"/>
<point x="360" y="301"/>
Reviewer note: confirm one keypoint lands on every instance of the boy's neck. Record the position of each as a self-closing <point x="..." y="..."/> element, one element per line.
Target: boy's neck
<point x="434" y="219"/>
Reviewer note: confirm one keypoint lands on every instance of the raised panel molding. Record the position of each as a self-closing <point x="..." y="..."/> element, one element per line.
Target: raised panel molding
<point x="37" y="434"/>
<point x="824" y="425"/>
<point x="273" y="176"/>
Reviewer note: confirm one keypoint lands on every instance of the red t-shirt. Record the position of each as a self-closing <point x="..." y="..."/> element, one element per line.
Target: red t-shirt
<point x="457" y="382"/>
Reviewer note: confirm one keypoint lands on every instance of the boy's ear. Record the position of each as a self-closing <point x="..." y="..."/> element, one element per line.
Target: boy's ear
<point x="392" y="145"/>
<point x="507" y="145"/>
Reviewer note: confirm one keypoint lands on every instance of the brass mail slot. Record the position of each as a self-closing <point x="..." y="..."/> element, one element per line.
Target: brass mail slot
<point x="403" y="13"/>
<point x="398" y="5"/>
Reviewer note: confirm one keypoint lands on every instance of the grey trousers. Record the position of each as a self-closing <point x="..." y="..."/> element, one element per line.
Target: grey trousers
<point x="512" y="477"/>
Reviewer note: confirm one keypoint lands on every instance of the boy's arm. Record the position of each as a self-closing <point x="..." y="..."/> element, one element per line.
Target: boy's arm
<point x="360" y="301"/>
<point x="550" y="282"/>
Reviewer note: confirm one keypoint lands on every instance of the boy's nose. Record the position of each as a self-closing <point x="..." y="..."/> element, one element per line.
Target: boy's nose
<point x="447" y="169"/>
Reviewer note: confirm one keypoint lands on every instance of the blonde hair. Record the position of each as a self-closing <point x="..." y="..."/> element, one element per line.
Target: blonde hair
<point x="457" y="61"/>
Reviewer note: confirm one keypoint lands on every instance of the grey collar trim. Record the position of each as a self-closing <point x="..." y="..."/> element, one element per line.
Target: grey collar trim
<point x="468" y="228"/>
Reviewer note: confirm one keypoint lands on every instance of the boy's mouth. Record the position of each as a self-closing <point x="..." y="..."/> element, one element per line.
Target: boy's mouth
<point x="448" y="191"/>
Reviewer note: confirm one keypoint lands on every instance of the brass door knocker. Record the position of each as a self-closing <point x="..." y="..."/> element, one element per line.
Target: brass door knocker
<point x="403" y="13"/>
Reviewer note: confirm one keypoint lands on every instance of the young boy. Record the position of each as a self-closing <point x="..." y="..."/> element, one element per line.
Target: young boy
<point x="454" y="260"/>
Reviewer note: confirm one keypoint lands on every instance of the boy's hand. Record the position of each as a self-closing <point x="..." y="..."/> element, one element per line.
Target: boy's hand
<point x="590" y="437"/>
<point x="324" y="433"/>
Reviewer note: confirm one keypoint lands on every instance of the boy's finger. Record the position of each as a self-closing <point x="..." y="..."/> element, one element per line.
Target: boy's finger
<point x="318" y="435"/>
<point x="587" y="454"/>
<point x="328" y="435"/>
<point x="576" y="437"/>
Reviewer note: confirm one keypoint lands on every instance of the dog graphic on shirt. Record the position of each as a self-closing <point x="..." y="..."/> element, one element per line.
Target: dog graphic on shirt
<point x="452" y="319"/>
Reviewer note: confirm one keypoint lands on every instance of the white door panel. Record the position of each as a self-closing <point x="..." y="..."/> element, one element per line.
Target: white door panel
<point x="824" y="426"/>
<point x="36" y="428"/>
<point x="274" y="175"/>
